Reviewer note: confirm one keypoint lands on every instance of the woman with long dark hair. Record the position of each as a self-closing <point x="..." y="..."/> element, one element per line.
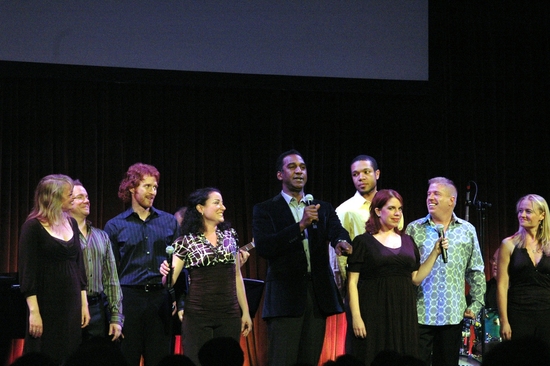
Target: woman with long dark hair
<point x="215" y="305"/>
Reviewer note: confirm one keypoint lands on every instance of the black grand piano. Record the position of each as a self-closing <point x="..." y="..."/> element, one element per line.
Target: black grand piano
<point x="13" y="313"/>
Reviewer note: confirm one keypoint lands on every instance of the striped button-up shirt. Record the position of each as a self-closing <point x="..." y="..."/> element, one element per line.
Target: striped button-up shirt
<point x="101" y="270"/>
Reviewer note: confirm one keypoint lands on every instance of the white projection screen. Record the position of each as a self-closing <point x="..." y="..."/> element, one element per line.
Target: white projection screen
<point x="364" y="39"/>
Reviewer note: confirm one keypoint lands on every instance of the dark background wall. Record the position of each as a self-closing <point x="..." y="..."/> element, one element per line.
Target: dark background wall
<point x="482" y="116"/>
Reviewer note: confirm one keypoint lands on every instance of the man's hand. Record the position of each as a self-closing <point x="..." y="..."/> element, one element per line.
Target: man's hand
<point x="469" y="314"/>
<point x="310" y="214"/>
<point x="343" y="248"/>
<point x="115" y="331"/>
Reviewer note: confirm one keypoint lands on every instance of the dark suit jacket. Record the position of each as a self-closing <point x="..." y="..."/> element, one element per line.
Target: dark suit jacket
<point x="278" y="239"/>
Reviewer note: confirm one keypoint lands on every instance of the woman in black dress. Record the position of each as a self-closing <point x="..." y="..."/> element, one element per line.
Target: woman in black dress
<point x="51" y="272"/>
<point x="384" y="266"/>
<point x="523" y="274"/>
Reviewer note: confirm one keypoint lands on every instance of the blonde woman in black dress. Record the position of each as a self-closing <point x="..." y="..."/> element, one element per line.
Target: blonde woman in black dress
<point x="52" y="273"/>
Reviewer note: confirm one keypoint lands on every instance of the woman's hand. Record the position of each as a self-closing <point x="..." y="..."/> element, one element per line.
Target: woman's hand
<point x="180" y="315"/>
<point x="243" y="256"/>
<point x="505" y="331"/>
<point x="164" y="268"/>
<point x="35" y="325"/>
<point x="359" y="328"/>
<point x="246" y="324"/>
<point x="85" y="320"/>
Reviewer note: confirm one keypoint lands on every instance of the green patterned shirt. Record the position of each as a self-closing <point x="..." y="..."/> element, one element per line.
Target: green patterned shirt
<point x="441" y="296"/>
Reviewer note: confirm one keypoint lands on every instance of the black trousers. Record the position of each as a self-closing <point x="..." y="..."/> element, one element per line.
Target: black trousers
<point x="99" y="326"/>
<point x="439" y="345"/>
<point x="196" y="331"/>
<point x="299" y="339"/>
<point x="147" y="330"/>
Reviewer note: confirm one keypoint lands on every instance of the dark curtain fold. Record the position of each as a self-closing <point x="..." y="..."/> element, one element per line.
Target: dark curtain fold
<point x="483" y="118"/>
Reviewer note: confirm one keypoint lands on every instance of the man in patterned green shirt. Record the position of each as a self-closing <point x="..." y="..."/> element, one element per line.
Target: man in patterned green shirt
<point x="441" y="300"/>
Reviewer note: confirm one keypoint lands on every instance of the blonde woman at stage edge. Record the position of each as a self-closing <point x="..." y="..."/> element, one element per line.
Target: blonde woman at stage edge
<point x="523" y="273"/>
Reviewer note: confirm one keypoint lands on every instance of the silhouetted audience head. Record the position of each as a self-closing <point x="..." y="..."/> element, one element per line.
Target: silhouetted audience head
<point x="221" y="351"/>
<point x="528" y="351"/>
<point x="176" y="360"/>
<point x="34" y="359"/>
<point x="348" y="360"/>
<point x="394" y="358"/>
<point x="97" y="351"/>
<point x="386" y="358"/>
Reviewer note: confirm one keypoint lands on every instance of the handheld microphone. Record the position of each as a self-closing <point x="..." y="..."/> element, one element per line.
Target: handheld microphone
<point x="309" y="201"/>
<point x="169" y="253"/>
<point x="467" y="214"/>
<point x="441" y="232"/>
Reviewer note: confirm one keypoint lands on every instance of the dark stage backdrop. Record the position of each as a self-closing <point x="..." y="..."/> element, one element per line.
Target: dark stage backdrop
<point x="483" y="116"/>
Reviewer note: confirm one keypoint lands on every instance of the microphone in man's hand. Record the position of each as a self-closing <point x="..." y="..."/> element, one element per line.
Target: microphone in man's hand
<point x="441" y="232"/>
<point x="169" y="254"/>
<point x="309" y="201"/>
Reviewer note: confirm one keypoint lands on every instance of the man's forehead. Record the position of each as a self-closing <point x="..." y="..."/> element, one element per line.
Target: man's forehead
<point x="293" y="158"/>
<point x="361" y="165"/>
<point x="79" y="190"/>
<point x="148" y="179"/>
<point x="438" y="187"/>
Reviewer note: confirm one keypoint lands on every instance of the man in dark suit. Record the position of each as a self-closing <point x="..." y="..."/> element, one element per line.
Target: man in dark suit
<point x="292" y="235"/>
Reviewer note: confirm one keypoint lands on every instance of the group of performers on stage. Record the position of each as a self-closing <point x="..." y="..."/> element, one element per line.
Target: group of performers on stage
<point x="403" y="288"/>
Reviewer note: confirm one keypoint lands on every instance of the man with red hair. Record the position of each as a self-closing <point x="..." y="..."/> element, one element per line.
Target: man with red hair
<point x="139" y="237"/>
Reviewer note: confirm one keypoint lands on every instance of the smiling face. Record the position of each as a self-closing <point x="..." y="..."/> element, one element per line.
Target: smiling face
<point x="213" y="209"/>
<point x="67" y="198"/>
<point x="529" y="216"/>
<point x="293" y="174"/>
<point x="364" y="177"/>
<point x="81" y="203"/>
<point x="390" y="214"/>
<point x="440" y="201"/>
<point x="144" y="194"/>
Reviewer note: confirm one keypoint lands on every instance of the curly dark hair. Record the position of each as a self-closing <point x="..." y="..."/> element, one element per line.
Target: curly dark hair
<point x="193" y="221"/>
<point x="133" y="177"/>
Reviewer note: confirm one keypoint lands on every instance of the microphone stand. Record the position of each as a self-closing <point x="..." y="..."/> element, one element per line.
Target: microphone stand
<point x="481" y="207"/>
